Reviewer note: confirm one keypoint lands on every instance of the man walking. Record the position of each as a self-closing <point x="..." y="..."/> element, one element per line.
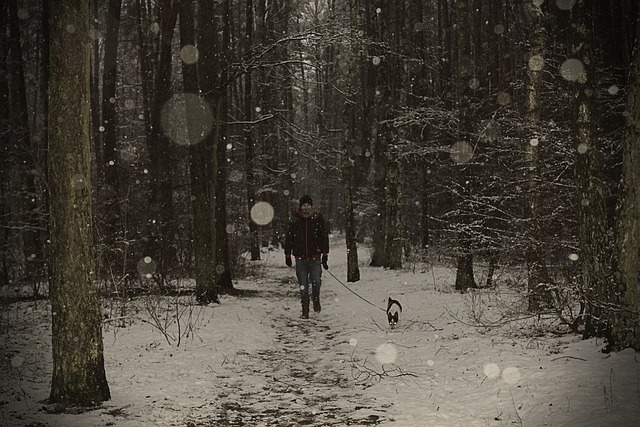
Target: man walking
<point x="308" y="241"/>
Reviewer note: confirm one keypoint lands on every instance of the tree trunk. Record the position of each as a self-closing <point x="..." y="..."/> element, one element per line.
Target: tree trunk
<point x="626" y="322"/>
<point x="146" y="69"/>
<point x="78" y="362"/>
<point x="397" y="82"/>
<point x="204" y="268"/>
<point x="207" y="72"/>
<point x="538" y="281"/>
<point x="592" y="234"/>
<point x="6" y="162"/>
<point x="348" y="143"/>
<point x="23" y="210"/>
<point x="109" y="121"/>
<point x="249" y="140"/>
<point x="464" y="273"/>
<point x="394" y="237"/>
<point x="162" y="245"/>
<point x="224" y="281"/>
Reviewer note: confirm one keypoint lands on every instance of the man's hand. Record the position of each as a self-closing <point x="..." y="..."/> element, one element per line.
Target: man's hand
<point x="288" y="261"/>
<point x="325" y="258"/>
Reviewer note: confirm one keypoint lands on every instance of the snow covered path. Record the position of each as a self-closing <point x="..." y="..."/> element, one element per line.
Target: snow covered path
<point x="301" y="379"/>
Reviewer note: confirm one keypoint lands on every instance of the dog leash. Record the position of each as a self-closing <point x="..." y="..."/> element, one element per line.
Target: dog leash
<point x="353" y="292"/>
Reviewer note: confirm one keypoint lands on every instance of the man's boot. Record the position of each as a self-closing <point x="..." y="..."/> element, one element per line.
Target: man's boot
<point x="305" y="311"/>
<point x="316" y="305"/>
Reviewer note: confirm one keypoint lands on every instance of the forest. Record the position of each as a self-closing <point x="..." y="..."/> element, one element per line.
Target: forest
<point x="146" y="141"/>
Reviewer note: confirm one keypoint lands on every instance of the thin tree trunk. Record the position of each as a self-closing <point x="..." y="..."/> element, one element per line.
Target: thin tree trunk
<point x="382" y="105"/>
<point x="249" y="140"/>
<point x="21" y="205"/>
<point x="348" y="143"/>
<point x="78" y="362"/>
<point x="464" y="273"/>
<point x="161" y="147"/>
<point x="397" y="81"/>
<point x="224" y="282"/>
<point x="109" y="120"/>
<point x="539" y="295"/>
<point x="6" y="162"/>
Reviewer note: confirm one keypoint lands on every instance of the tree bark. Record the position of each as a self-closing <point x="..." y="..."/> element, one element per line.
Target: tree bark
<point x="249" y="140"/>
<point x="348" y="143"/>
<point x="160" y="147"/>
<point x="78" y="361"/>
<point x="21" y="193"/>
<point x="626" y="322"/>
<point x="464" y="273"/>
<point x="224" y="281"/>
<point x="208" y="68"/>
<point x="6" y="162"/>
<point x="538" y="281"/>
<point x="109" y="121"/>
<point x="594" y="245"/>
<point x="204" y="268"/>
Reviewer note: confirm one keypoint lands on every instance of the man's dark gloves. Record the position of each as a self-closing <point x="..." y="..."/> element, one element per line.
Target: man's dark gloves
<point x="325" y="258"/>
<point x="287" y="261"/>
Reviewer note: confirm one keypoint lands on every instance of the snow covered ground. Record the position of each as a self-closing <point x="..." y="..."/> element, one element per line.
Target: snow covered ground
<point x="250" y="361"/>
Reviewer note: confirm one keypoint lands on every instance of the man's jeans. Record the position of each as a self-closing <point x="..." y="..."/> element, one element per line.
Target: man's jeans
<point x="309" y="271"/>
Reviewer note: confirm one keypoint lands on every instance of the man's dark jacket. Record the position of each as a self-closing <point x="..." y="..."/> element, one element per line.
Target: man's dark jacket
<point x="307" y="238"/>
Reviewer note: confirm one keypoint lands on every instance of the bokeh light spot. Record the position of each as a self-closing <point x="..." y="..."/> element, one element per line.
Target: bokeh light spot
<point x="461" y="152"/>
<point x="536" y="63"/>
<point x="189" y="54"/>
<point x="187" y="118"/>
<point x="565" y="4"/>
<point x="262" y="213"/>
<point x="146" y="267"/>
<point x="572" y="69"/>
<point x="492" y="371"/>
<point x="503" y="98"/>
<point x="490" y="130"/>
<point x="511" y="375"/>
<point x="582" y="148"/>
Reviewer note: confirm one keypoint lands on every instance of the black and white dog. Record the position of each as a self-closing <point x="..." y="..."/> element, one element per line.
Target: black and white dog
<point x="394" y="310"/>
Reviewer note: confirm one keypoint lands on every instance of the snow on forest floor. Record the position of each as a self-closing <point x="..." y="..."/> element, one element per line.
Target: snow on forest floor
<point x="251" y="361"/>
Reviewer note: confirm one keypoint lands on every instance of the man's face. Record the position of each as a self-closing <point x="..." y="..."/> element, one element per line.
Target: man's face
<point x="306" y="209"/>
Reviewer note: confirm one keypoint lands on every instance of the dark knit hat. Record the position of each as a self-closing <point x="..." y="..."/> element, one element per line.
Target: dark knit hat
<point x="306" y="199"/>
